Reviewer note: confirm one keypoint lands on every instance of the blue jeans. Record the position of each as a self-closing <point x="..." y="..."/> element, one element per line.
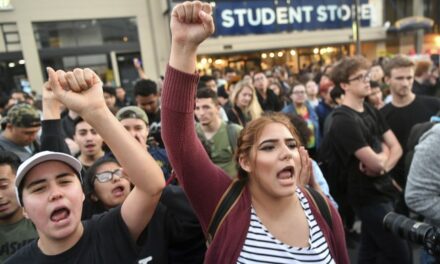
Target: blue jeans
<point x="377" y="244"/>
<point x="426" y="258"/>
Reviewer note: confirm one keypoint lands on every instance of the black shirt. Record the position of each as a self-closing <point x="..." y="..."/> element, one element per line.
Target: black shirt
<point x="402" y="119"/>
<point x="352" y="131"/>
<point x="236" y="116"/>
<point x="106" y="239"/>
<point x="174" y="234"/>
<point x="423" y="89"/>
<point x="272" y="102"/>
<point x="154" y="136"/>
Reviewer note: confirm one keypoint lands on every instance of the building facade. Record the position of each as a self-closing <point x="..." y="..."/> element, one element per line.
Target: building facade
<point x="101" y="34"/>
<point x="106" y="35"/>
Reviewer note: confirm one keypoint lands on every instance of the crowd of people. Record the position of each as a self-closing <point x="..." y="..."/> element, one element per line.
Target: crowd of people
<point x="259" y="167"/>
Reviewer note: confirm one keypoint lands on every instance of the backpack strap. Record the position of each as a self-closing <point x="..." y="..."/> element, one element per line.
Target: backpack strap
<point x="232" y="135"/>
<point x="224" y="206"/>
<point x="237" y="116"/>
<point x="322" y="205"/>
<point x="205" y="142"/>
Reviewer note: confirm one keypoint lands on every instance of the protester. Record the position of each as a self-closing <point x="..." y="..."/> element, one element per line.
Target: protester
<point x="245" y="104"/>
<point x="271" y="161"/>
<point x="49" y="187"/>
<point x="424" y="81"/>
<point x="147" y="97"/>
<point x="312" y="93"/>
<point x="15" y="230"/>
<point x="136" y="122"/>
<point x="173" y="234"/>
<point x="268" y="100"/>
<point x="375" y="98"/>
<point x="89" y="143"/>
<point x="326" y="104"/>
<point x="21" y="131"/>
<point x="303" y="108"/>
<point x="367" y="151"/>
<point x="275" y="86"/>
<point x="208" y="81"/>
<point x="218" y="138"/>
<point x="121" y="98"/>
<point x="110" y="98"/>
<point x="404" y="111"/>
<point x="422" y="192"/>
<point x="304" y="134"/>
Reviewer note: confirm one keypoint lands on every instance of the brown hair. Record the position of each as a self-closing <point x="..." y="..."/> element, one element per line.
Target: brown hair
<point x="422" y="67"/>
<point x="206" y="93"/>
<point x="249" y="135"/>
<point x="399" y="61"/>
<point x="342" y="70"/>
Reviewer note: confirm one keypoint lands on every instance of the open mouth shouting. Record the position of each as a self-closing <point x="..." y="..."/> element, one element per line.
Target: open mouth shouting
<point x="60" y="214"/>
<point x="118" y="191"/>
<point x="286" y="175"/>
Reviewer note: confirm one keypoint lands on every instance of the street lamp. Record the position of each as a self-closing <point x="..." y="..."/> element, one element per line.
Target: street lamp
<point x="356" y="27"/>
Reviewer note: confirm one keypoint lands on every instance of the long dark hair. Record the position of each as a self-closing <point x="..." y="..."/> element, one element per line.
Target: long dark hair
<point x="93" y="206"/>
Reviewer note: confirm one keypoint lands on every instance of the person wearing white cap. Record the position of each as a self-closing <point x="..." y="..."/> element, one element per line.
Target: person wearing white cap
<point x="50" y="192"/>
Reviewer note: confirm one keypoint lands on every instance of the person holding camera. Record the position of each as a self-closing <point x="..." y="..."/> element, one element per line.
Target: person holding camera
<point x="422" y="193"/>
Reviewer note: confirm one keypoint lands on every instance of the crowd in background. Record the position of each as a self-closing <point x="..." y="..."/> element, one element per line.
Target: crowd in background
<point x="345" y="139"/>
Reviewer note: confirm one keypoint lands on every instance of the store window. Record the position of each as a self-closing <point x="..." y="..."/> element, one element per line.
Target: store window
<point x="93" y="43"/>
<point x="85" y="33"/>
<point x="10" y="36"/>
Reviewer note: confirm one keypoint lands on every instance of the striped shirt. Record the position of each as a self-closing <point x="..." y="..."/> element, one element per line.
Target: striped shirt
<point x="261" y="246"/>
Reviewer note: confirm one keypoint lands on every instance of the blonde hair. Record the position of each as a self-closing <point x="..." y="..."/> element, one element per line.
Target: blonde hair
<point x="254" y="108"/>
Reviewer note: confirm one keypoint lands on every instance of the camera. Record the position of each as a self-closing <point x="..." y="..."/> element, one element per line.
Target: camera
<point x="417" y="232"/>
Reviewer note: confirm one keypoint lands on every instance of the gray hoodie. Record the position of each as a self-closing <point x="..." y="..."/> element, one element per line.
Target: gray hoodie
<point x="422" y="192"/>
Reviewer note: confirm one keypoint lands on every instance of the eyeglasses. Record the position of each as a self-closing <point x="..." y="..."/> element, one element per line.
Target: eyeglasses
<point x="361" y="77"/>
<point x="299" y="92"/>
<point x="106" y="176"/>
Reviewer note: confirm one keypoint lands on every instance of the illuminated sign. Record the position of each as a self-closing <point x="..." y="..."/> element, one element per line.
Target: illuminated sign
<point x="264" y="16"/>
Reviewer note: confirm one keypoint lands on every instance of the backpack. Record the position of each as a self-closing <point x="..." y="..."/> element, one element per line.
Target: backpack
<point x="235" y="189"/>
<point x="231" y="130"/>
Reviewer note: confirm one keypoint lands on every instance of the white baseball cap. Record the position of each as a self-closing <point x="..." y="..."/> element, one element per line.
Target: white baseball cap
<point x="41" y="157"/>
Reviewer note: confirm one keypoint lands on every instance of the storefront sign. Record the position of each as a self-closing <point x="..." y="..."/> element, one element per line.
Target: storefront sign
<point x="269" y="16"/>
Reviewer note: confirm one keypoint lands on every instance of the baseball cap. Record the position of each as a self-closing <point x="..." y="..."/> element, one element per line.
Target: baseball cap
<point x="39" y="158"/>
<point x="24" y="115"/>
<point x="132" y="112"/>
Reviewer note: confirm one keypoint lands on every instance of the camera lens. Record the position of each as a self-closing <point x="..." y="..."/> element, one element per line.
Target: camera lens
<point x="407" y="228"/>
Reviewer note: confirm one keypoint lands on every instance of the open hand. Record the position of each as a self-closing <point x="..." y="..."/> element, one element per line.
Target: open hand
<point x="305" y="174"/>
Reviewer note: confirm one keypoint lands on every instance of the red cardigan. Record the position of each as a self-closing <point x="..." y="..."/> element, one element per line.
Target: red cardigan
<point x="205" y="183"/>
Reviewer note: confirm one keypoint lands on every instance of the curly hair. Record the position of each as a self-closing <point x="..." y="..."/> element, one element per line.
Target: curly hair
<point x="346" y="67"/>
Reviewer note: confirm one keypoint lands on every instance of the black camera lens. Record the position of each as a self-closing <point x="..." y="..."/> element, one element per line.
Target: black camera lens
<point x="407" y="228"/>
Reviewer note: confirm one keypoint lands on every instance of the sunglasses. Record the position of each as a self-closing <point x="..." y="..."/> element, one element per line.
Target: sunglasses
<point x="107" y="176"/>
